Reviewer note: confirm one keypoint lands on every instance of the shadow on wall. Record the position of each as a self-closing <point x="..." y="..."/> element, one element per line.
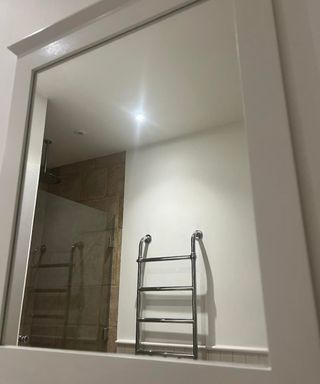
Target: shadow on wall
<point x="209" y="305"/>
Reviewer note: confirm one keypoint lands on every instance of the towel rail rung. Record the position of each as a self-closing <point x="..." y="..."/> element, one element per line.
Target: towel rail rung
<point x="169" y="288"/>
<point x="165" y="353"/>
<point x="164" y="320"/>
<point x="164" y="258"/>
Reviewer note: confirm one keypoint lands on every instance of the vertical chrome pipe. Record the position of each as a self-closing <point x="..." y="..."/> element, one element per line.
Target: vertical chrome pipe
<point x="146" y="240"/>
<point x="197" y="235"/>
<point x="79" y="245"/>
<point x="45" y="154"/>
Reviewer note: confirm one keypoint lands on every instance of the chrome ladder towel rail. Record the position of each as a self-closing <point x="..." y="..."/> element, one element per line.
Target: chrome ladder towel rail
<point x="142" y="259"/>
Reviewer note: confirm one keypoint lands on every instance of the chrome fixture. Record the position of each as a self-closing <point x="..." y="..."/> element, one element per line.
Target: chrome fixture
<point x="142" y="259"/>
<point x="40" y="250"/>
<point x="78" y="245"/>
<point x="46" y="175"/>
<point x="23" y="339"/>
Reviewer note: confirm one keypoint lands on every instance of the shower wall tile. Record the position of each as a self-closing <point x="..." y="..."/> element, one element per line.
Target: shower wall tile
<point x="64" y="219"/>
<point x="28" y="307"/>
<point x="69" y="186"/>
<point x="46" y="341"/>
<point x="94" y="184"/>
<point x="83" y="332"/>
<point x="52" y="278"/>
<point x="116" y="180"/>
<point x="104" y="307"/>
<point x="114" y="296"/>
<point x="31" y="278"/>
<point x="113" y="209"/>
<point x="89" y="219"/>
<point x="120" y="213"/>
<point x="88" y="332"/>
<point x="89" y="305"/>
<point x="107" y="266"/>
<point x="49" y="322"/>
<point x="97" y="204"/>
<point x="47" y="330"/>
<point x="116" y="258"/>
<point x="79" y="167"/>
<point x="43" y="186"/>
<point x="52" y="257"/>
<point x="89" y="261"/>
<point x="111" y="160"/>
<point x="85" y="305"/>
<point x="115" y="269"/>
<point x="112" y="337"/>
<point x="49" y="303"/>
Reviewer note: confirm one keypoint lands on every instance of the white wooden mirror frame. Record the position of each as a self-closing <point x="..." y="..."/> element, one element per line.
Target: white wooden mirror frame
<point x="290" y="313"/>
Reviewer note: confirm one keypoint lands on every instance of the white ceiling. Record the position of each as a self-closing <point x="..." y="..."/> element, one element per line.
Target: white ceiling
<point x="182" y="73"/>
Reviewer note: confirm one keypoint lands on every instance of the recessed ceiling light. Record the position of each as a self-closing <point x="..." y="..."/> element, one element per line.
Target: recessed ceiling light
<point x="140" y="117"/>
<point x="79" y="132"/>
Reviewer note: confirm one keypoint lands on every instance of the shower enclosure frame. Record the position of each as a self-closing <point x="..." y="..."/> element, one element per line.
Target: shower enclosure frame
<point x="288" y="297"/>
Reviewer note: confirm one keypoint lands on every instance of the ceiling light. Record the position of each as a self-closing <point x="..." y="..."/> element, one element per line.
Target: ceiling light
<point x="140" y="117"/>
<point x="79" y="132"/>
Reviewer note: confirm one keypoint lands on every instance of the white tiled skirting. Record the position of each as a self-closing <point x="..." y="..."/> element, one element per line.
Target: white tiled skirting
<point x="227" y="354"/>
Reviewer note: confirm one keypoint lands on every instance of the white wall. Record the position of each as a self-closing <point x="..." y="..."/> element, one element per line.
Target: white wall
<point x="171" y="189"/>
<point x="299" y="38"/>
<point x="19" y="18"/>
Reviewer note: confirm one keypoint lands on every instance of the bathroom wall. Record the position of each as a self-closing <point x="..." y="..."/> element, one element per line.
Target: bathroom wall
<point x="297" y="48"/>
<point x="99" y="183"/>
<point x="298" y="30"/>
<point x="171" y="189"/>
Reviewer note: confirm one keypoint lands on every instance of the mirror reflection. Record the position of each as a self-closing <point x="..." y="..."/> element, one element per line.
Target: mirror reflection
<point x="145" y="136"/>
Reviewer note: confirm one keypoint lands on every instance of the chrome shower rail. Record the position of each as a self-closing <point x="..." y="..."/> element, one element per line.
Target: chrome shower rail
<point x="166" y="258"/>
<point x="165" y="354"/>
<point x="142" y="259"/>
<point x="173" y="288"/>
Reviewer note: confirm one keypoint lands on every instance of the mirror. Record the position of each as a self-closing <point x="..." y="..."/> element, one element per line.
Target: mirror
<point x="146" y="135"/>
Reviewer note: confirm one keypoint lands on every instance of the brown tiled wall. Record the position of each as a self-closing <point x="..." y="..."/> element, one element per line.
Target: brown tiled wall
<point x="99" y="183"/>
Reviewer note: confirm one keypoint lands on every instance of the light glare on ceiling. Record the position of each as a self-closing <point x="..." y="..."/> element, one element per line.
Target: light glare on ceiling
<point x="140" y="117"/>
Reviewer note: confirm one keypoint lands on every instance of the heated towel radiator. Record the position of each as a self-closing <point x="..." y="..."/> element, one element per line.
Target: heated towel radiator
<point x="142" y="259"/>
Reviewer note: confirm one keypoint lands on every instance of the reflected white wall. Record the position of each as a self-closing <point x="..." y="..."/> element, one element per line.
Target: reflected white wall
<point x="197" y="182"/>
